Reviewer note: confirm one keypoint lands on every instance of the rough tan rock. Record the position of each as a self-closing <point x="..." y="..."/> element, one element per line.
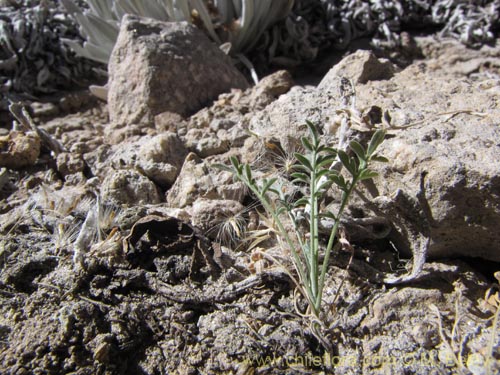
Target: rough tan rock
<point x="69" y="163"/>
<point x="19" y="149"/>
<point x="360" y="67"/>
<point x="164" y="66"/>
<point x="270" y="88"/>
<point x="285" y="117"/>
<point x="199" y="179"/>
<point x="194" y="181"/>
<point x="129" y="187"/>
<point x="445" y="179"/>
<point x="169" y="121"/>
<point x="205" y="143"/>
<point x="157" y="157"/>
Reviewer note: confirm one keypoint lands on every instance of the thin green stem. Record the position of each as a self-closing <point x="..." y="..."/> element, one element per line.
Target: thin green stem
<point x="313" y="229"/>
<point x="333" y="234"/>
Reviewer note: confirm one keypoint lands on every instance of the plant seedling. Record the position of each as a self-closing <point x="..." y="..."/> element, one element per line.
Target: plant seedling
<point x="314" y="171"/>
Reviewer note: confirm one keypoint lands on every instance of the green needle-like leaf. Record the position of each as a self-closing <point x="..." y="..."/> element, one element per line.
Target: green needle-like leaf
<point x="328" y="215"/>
<point x="280" y="210"/>
<point x="300" y="177"/>
<point x="327" y="150"/>
<point x="339" y="181"/>
<point x="274" y="191"/>
<point x="248" y="173"/>
<point x="324" y="186"/>
<point x="307" y="145"/>
<point x="325" y="161"/>
<point x="376" y="140"/>
<point x="300" y="167"/>
<point x="235" y="162"/>
<point x="379" y="158"/>
<point x="366" y="174"/>
<point x="358" y="150"/>
<point x="223" y="167"/>
<point x="304" y="201"/>
<point x="267" y="184"/>
<point x="347" y="162"/>
<point x="314" y="133"/>
<point x="304" y="161"/>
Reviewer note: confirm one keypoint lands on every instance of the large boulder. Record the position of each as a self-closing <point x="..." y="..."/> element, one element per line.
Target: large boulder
<point x="441" y="187"/>
<point x="286" y="117"/>
<point x="164" y="66"/>
<point x="443" y="180"/>
<point x="440" y="190"/>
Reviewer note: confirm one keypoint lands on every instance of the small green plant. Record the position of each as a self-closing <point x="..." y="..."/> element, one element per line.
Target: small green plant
<point x="315" y="171"/>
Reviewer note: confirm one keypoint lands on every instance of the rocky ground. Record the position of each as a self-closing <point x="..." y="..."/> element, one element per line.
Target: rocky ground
<point x="125" y="252"/>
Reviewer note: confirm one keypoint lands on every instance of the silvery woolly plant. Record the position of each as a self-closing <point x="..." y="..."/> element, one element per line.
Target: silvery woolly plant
<point x="33" y="60"/>
<point x="315" y="171"/>
<point x="239" y="23"/>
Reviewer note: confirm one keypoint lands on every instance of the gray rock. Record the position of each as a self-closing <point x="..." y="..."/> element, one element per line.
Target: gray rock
<point x="198" y="179"/>
<point x="100" y="92"/>
<point x="286" y="117"/>
<point x="225" y="124"/>
<point x="75" y="179"/>
<point x="157" y="157"/>
<point x="74" y="101"/>
<point x="233" y="191"/>
<point x="205" y="143"/>
<point x="444" y="183"/>
<point x="441" y="186"/>
<point x="221" y="124"/>
<point x="129" y="187"/>
<point x="169" y="122"/>
<point x="236" y="136"/>
<point x="270" y="88"/>
<point x="165" y="66"/>
<point x="44" y="109"/>
<point x="69" y="163"/>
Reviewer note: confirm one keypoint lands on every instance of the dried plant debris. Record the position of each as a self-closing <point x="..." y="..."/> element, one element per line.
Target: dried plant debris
<point x="33" y="59"/>
<point x="307" y="27"/>
<point x="318" y="25"/>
